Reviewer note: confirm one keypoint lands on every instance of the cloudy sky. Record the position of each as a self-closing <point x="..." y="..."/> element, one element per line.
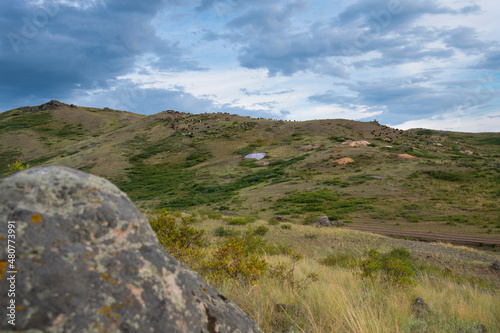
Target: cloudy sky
<point x="406" y="63"/>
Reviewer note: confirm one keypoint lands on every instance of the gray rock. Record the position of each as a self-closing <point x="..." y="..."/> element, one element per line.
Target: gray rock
<point x="420" y="308"/>
<point x="496" y="265"/>
<point x="323" y="221"/>
<point x="256" y="156"/>
<point x="88" y="261"/>
<point x="480" y="328"/>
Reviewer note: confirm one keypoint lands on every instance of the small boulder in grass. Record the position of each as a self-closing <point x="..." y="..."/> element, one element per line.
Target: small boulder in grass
<point x="420" y="308"/>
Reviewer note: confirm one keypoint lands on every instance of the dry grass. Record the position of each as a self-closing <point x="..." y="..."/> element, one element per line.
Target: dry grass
<point x="341" y="302"/>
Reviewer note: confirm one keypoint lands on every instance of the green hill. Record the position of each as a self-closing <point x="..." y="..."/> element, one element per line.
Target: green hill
<point x="187" y="172"/>
<point x="418" y="179"/>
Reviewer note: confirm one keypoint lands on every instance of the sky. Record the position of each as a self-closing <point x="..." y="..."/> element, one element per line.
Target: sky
<point x="406" y="63"/>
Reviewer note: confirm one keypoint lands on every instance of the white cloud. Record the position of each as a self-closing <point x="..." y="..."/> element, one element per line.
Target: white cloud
<point x="457" y="122"/>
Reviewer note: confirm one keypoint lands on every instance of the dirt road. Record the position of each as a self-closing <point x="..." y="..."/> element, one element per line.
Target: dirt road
<point x="454" y="239"/>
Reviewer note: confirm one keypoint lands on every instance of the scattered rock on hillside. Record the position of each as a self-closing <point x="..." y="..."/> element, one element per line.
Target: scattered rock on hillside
<point x="46" y="106"/>
<point x="466" y="151"/>
<point x="407" y="157"/>
<point x="351" y="143"/>
<point x="496" y="265"/>
<point x="420" y="308"/>
<point x="88" y="261"/>
<point x="344" y="161"/>
<point x="279" y="218"/>
<point x="309" y="147"/>
<point x="480" y="328"/>
<point x="256" y="156"/>
<point x="323" y="221"/>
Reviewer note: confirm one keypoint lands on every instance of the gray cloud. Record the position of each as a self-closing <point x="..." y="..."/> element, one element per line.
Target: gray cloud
<point x="387" y="27"/>
<point x="414" y="97"/>
<point x="51" y="50"/>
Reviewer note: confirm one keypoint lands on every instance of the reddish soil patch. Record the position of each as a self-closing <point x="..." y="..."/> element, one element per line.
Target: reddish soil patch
<point x="407" y="157"/>
<point x="344" y="160"/>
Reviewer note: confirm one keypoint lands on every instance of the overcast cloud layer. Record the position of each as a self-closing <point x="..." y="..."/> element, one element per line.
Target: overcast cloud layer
<point x="407" y="63"/>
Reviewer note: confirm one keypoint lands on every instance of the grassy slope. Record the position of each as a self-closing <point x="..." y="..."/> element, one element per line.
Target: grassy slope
<point x="194" y="162"/>
<point x="185" y="161"/>
<point x="457" y="283"/>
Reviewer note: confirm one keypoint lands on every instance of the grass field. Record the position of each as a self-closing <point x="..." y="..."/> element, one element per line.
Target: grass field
<point x="317" y="295"/>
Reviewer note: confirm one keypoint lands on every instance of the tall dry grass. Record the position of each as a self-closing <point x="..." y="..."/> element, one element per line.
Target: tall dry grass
<point x="341" y="302"/>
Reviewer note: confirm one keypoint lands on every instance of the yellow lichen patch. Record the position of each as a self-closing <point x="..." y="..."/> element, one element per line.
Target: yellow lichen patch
<point x="106" y="308"/>
<point x="1" y="239"/>
<point x="19" y="307"/>
<point x="104" y="275"/>
<point x="36" y="218"/>
<point x="3" y="265"/>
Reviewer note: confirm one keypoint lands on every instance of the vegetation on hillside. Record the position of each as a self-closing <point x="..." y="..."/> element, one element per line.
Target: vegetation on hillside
<point x="362" y="290"/>
<point x="247" y="226"/>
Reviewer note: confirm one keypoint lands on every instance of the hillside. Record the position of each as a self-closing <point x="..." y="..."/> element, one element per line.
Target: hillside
<point x="420" y="180"/>
<point x="248" y="227"/>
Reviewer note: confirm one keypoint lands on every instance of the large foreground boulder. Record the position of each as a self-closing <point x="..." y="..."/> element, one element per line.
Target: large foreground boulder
<point x="88" y="261"/>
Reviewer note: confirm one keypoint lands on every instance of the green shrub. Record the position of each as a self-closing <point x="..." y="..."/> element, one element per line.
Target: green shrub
<point x="286" y="226"/>
<point x="238" y="220"/>
<point x="223" y="232"/>
<point x="396" y="267"/>
<point x="261" y="231"/>
<point x="183" y="242"/>
<point x="234" y="260"/>
<point x="445" y="175"/>
<point x="249" y="163"/>
<point x="273" y="221"/>
<point x="189" y="219"/>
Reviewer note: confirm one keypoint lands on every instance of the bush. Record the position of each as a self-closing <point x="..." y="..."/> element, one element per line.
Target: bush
<point x="183" y="242"/>
<point x="445" y="175"/>
<point x="238" y="220"/>
<point x="261" y="231"/>
<point x="286" y="226"/>
<point x="396" y="267"/>
<point x="273" y="221"/>
<point x="232" y="260"/>
<point x="223" y="232"/>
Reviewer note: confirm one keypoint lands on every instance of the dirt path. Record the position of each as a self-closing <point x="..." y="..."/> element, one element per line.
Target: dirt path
<point x="455" y="239"/>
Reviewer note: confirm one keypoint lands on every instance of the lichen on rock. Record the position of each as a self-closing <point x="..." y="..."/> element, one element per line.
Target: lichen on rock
<point x="88" y="261"/>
